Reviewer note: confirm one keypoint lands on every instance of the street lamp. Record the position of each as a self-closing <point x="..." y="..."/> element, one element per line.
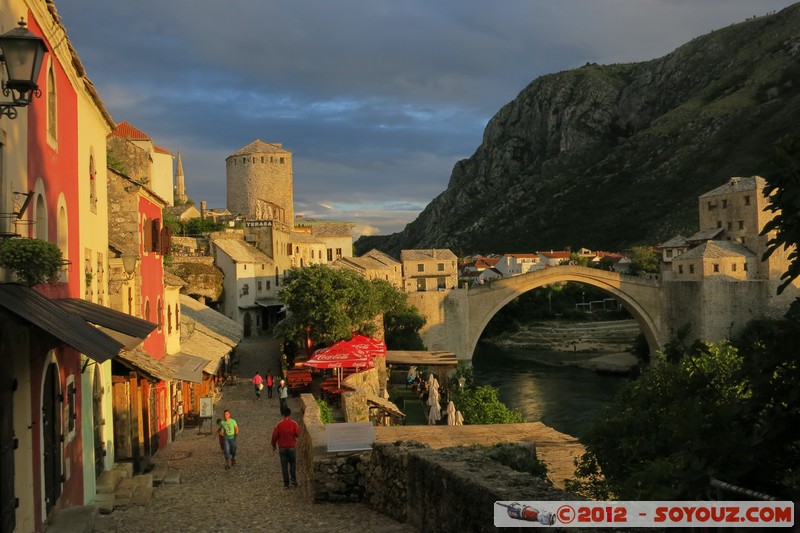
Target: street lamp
<point x="22" y="54"/>
<point x="129" y="263"/>
<point x="462" y="381"/>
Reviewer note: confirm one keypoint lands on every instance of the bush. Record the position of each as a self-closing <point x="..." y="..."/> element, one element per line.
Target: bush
<point x="325" y="412"/>
<point x="482" y="406"/>
<point x="34" y="261"/>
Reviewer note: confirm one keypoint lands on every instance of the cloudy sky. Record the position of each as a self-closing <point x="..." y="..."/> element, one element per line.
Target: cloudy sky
<point x="376" y="99"/>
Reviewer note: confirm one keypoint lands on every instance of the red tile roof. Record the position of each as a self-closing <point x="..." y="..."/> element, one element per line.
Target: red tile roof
<point x="126" y="130"/>
<point x="161" y="150"/>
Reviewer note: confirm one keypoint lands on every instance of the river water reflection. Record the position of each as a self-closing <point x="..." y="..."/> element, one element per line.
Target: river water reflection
<point x="565" y="398"/>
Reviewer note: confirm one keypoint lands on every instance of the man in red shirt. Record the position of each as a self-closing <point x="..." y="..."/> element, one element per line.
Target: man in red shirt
<point x="284" y="436"/>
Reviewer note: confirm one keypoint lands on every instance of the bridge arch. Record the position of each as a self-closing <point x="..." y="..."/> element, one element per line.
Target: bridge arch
<point x="640" y="296"/>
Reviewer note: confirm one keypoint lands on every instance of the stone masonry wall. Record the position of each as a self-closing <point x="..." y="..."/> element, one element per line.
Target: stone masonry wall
<point x="252" y="177"/>
<point x="450" y="489"/>
<point x="447" y="315"/>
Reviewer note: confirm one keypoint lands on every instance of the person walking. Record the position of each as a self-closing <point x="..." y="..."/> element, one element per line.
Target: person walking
<point x="284" y="436"/>
<point x="283" y="395"/>
<point x="258" y="382"/>
<point x="230" y="430"/>
<point x="270" y="384"/>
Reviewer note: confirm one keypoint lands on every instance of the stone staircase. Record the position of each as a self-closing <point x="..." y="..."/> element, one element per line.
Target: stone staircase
<point x="119" y="487"/>
<point x="116" y="488"/>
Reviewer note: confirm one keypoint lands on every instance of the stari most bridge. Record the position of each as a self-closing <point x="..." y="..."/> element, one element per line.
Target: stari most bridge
<point x="456" y="318"/>
<point x="640" y="296"/>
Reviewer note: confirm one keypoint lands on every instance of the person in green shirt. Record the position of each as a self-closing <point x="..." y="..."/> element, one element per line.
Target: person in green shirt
<point x="228" y="429"/>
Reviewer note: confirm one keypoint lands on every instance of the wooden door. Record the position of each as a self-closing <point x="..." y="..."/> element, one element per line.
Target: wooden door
<point x="51" y="434"/>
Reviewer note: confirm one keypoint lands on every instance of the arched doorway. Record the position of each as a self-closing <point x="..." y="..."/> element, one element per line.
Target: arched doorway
<point x="51" y="441"/>
<point x="99" y="422"/>
<point x="248" y="324"/>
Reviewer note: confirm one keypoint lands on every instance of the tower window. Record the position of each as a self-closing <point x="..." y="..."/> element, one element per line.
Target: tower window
<point x="281" y="161"/>
<point x="747" y="200"/>
<point x="741" y="224"/>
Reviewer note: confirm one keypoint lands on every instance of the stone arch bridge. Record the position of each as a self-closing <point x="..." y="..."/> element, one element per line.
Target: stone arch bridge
<point x="714" y="308"/>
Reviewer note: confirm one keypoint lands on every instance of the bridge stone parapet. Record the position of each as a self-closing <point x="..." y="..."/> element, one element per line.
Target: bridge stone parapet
<point x="715" y="308"/>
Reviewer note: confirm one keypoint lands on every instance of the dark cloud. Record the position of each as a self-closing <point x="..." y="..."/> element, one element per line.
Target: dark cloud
<point x="376" y="99"/>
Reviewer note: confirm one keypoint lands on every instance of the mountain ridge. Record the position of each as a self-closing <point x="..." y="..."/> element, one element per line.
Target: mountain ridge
<point x="611" y="156"/>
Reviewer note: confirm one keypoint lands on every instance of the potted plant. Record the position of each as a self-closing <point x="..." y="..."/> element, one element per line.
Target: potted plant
<point x="33" y="261"/>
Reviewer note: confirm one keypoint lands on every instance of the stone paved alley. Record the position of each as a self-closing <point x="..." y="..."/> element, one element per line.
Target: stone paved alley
<point x="250" y="496"/>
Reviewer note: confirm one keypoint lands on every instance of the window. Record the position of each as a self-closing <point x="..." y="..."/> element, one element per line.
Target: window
<point x="281" y="161"/>
<point x="244" y="266"/>
<point x="271" y="159"/>
<point x="177" y="317"/>
<point x="268" y="284"/>
<point x="160" y="314"/>
<point x="147" y="310"/>
<point x="289" y="249"/>
<point x="260" y="286"/>
<point x="719" y="223"/>
<point x="277" y="284"/>
<point x="724" y="204"/>
<point x="52" y="109"/>
<point x="680" y="269"/>
<point x="440" y="267"/>
<point x="733" y="267"/>
<point x="330" y="254"/>
<point x="338" y="253"/>
<point x="262" y="158"/>
<point x="747" y="200"/>
<point x="420" y="267"/>
<point x="711" y="205"/>
<point x="245" y="289"/>
<point x="730" y="226"/>
<point x="312" y="253"/>
<point x="169" y="319"/>
<point x="297" y="250"/>
<point x="741" y="224"/>
<point x="92" y="184"/>
<point x="669" y="254"/>
<point x="691" y="269"/>
<point x="716" y="267"/>
<point x="745" y="267"/>
<point x="72" y="413"/>
<point x="441" y="283"/>
<point x="421" y="285"/>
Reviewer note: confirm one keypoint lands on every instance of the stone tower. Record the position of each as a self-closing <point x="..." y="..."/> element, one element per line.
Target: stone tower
<point x="259" y="182"/>
<point x="180" y="184"/>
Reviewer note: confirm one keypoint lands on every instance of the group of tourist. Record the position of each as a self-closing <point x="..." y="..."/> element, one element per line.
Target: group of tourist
<point x="284" y="435"/>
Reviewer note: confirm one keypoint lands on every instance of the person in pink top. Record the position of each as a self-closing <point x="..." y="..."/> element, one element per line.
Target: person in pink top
<point x="258" y="382"/>
<point x="284" y="437"/>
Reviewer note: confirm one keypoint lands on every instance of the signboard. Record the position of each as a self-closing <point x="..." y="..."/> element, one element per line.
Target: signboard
<point x="350" y="436"/>
<point x="258" y="223"/>
<point x="206" y="407"/>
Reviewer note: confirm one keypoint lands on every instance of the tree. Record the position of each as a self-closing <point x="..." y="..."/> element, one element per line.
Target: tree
<point x="783" y="191"/>
<point x="330" y="304"/>
<point x="671" y="429"/>
<point x="644" y="259"/>
<point x="481" y="405"/>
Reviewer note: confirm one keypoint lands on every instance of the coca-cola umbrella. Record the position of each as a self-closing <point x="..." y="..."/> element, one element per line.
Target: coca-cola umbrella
<point x="358" y="352"/>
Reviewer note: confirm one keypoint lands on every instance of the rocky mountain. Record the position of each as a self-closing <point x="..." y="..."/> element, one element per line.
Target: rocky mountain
<point x="610" y="156"/>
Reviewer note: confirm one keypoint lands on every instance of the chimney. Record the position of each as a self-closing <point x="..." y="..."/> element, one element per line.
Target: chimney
<point x="202" y="209"/>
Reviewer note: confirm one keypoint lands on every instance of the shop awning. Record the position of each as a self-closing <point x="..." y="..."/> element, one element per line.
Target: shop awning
<point x="420" y="358"/>
<point x="202" y="344"/>
<point x="186" y="367"/>
<point x="384" y="405"/>
<point x="272" y="303"/>
<point x="67" y="327"/>
<point x="127" y="329"/>
<point x="140" y="361"/>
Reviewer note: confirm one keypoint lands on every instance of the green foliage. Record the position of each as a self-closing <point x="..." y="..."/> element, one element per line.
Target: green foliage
<point x="336" y="303"/>
<point x="199" y="226"/>
<point x="174" y="224"/>
<point x="783" y="191"/>
<point x="480" y="405"/>
<point x="115" y="163"/>
<point x="327" y="304"/>
<point x="325" y="412"/>
<point x="644" y="259"/>
<point x="723" y="412"/>
<point x="34" y="261"/>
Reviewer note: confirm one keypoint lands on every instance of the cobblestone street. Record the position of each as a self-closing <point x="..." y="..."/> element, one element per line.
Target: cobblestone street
<point x="249" y="496"/>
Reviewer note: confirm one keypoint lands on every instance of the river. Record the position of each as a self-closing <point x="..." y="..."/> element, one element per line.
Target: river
<point x="565" y="398"/>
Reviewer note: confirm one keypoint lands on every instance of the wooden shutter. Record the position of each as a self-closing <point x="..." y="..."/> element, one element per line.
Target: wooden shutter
<point x="156" y="243"/>
<point x="166" y="240"/>
<point x="147" y="233"/>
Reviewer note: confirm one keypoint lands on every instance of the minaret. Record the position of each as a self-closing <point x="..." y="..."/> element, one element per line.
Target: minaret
<point x="180" y="186"/>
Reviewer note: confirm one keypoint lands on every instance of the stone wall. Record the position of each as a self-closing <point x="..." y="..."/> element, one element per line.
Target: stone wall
<point x="450" y="489"/>
<point x="447" y="315"/>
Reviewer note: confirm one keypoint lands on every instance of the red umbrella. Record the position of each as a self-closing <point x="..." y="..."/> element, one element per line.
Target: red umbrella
<point x="357" y="352"/>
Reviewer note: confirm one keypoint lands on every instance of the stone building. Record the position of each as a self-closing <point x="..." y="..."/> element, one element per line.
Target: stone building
<point x="259" y="182"/>
<point x="374" y="265"/>
<point x="429" y="270"/>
